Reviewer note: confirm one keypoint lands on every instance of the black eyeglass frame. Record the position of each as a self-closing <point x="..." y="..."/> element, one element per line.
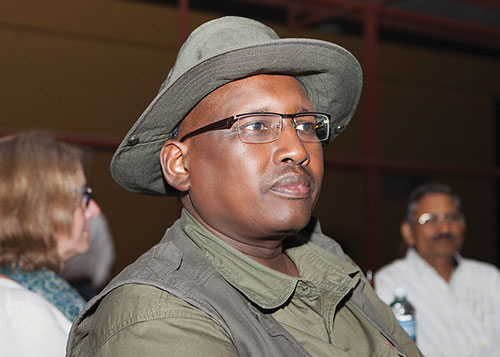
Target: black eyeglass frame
<point x="227" y="123"/>
<point x="87" y="194"/>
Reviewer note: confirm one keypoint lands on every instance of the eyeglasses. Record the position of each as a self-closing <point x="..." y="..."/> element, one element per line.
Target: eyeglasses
<point x="87" y="195"/>
<point x="434" y="219"/>
<point x="265" y="127"/>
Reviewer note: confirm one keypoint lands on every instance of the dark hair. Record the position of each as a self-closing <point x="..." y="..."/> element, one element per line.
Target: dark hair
<point x="428" y="189"/>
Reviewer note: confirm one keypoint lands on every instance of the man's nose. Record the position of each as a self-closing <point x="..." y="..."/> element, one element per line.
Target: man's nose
<point x="290" y="146"/>
<point x="444" y="225"/>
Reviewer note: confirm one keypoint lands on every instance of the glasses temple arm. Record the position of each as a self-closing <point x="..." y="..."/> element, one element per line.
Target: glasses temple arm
<point x="221" y="124"/>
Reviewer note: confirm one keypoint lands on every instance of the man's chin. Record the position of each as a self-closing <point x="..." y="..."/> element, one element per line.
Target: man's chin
<point x="447" y="250"/>
<point x="292" y="224"/>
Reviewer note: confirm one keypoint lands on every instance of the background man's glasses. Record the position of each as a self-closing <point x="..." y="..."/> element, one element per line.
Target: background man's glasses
<point x="87" y="195"/>
<point x="264" y="127"/>
<point x="434" y="219"/>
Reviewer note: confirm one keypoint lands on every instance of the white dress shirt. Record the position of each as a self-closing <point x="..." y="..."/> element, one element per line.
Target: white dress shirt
<point x="29" y="324"/>
<point x="459" y="318"/>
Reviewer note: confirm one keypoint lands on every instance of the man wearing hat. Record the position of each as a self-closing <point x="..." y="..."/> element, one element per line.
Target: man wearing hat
<point x="237" y="132"/>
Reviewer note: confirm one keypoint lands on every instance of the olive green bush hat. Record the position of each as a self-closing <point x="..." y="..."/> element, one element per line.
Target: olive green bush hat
<point x="216" y="53"/>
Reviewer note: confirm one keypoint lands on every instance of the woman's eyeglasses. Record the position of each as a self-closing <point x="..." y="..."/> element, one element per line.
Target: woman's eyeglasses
<point x="87" y="195"/>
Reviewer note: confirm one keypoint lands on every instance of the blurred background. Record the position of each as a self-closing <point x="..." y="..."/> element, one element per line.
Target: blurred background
<point x="430" y="110"/>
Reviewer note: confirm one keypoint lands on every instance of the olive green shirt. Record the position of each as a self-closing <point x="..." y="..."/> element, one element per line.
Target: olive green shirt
<point x="144" y="320"/>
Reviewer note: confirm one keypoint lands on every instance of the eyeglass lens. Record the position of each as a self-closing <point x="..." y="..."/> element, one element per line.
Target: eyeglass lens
<point x="264" y="127"/>
<point x="432" y="219"/>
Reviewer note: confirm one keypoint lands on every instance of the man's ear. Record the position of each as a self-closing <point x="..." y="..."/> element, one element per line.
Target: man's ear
<point x="407" y="233"/>
<point x="173" y="165"/>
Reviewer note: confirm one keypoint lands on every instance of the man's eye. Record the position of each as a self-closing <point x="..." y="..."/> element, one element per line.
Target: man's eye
<point x="452" y="217"/>
<point x="255" y="126"/>
<point x="430" y="220"/>
<point x="306" y="126"/>
<point x="426" y="218"/>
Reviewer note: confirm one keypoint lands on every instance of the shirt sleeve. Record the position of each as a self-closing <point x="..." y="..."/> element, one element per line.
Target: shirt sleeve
<point x="160" y="324"/>
<point x="492" y="307"/>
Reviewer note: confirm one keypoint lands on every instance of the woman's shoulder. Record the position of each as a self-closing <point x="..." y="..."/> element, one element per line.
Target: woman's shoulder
<point x="18" y="302"/>
<point x="29" y="324"/>
<point x="13" y="292"/>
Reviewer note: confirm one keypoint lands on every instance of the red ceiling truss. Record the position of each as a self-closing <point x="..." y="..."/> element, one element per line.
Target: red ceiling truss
<point x="306" y="13"/>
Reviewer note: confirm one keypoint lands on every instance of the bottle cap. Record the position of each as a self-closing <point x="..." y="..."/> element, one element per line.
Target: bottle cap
<point x="400" y="292"/>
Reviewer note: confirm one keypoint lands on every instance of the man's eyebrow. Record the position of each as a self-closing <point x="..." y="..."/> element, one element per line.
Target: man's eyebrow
<point x="259" y="110"/>
<point x="270" y="110"/>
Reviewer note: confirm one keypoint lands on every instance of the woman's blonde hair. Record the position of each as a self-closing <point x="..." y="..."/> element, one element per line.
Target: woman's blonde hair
<point x="38" y="198"/>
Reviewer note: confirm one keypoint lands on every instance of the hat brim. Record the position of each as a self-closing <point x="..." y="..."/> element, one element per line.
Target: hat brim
<point x="331" y="75"/>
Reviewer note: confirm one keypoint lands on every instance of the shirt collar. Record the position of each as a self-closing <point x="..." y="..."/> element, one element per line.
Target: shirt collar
<point x="264" y="286"/>
<point x="413" y="254"/>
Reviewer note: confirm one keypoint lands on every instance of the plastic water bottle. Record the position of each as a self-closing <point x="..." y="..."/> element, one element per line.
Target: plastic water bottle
<point x="405" y="312"/>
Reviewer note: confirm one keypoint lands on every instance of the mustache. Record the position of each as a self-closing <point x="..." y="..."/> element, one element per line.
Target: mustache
<point x="444" y="236"/>
<point x="298" y="170"/>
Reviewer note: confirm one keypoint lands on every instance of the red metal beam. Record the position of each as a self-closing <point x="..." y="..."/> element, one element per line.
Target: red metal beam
<point x="98" y="142"/>
<point x="275" y="3"/>
<point x="294" y="13"/>
<point x="470" y="38"/>
<point x="493" y="4"/>
<point x="412" y="167"/>
<point x="437" y="22"/>
<point x="301" y="18"/>
<point x="435" y="26"/>
<point x="183" y="21"/>
<point x="370" y="26"/>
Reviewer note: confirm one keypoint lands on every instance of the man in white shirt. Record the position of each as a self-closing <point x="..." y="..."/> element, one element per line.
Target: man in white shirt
<point x="457" y="300"/>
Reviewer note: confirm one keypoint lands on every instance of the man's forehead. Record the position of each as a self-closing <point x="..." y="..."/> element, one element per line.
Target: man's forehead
<point x="434" y="202"/>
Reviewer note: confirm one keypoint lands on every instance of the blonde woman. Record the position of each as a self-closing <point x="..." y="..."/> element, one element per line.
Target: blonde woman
<point x="45" y="208"/>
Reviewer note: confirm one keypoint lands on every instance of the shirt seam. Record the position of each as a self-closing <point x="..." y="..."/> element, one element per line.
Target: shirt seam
<point x="168" y="314"/>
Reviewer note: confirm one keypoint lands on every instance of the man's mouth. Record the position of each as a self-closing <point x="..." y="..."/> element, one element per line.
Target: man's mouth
<point x="294" y="185"/>
<point x="443" y="236"/>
